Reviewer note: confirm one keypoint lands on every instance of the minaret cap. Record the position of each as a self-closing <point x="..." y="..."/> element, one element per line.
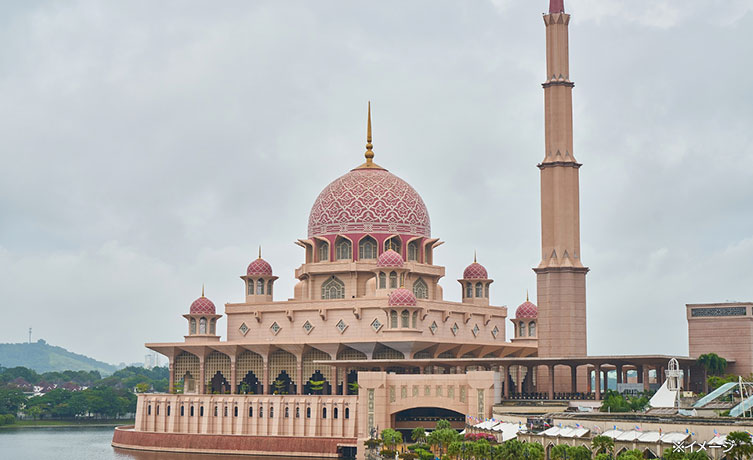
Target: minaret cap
<point x="556" y="6"/>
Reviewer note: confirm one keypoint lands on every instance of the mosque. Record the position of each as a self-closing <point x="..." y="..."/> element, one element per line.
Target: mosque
<point x="367" y="341"/>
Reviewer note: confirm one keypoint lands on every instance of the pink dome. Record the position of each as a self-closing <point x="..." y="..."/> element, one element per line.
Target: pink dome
<point x="401" y="298"/>
<point x="259" y="267"/>
<point x="369" y="200"/>
<point x="390" y="258"/>
<point x="202" y="306"/>
<point x="527" y="310"/>
<point x="475" y="271"/>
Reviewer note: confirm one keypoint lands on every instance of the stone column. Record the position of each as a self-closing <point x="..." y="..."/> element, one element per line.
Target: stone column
<point x="597" y="382"/>
<point x="551" y="381"/>
<point x="589" y="386"/>
<point x="519" y="381"/>
<point x="202" y="376"/>
<point x="233" y="382"/>
<point x="299" y="382"/>
<point x="573" y="379"/>
<point x="265" y="377"/>
<point x="506" y="371"/>
<point x="618" y="370"/>
<point x="606" y="380"/>
<point x="171" y="383"/>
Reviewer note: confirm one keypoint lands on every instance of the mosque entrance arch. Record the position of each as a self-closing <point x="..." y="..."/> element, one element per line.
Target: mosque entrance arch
<point x="426" y="417"/>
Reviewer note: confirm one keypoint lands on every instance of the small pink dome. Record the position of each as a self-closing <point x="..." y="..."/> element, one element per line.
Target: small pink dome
<point x="401" y="298"/>
<point x="390" y="258"/>
<point x="475" y="271"/>
<point x="259" y="267"/>
<point x="202" y="306"/>
<point x="527" y="310"/>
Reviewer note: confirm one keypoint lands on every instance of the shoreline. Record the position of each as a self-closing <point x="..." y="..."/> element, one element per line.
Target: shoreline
<point x="66" y="424"/>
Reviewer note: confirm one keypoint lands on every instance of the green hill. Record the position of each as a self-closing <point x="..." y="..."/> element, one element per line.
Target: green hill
<point x="46" y="358"/>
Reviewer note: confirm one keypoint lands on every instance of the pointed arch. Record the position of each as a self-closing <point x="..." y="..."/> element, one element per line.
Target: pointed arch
<point x="333" y="288"/>
<point x="322" y="251"/>
<point x="420" y="289"/>
<point x="382" y="280"/>
<point x="394" y="243"/>
<point x="532" y="329"/>
<point x="414" y="251"/>
<point x="393" y="280"/>
<point x="367" y="248"/>
<point x="343" y="248"/>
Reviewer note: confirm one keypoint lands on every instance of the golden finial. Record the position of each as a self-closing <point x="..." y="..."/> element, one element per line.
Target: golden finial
<point x="202" y="289"/>
<point x="369" y="153"/>
<point x="527" y="295"/>
<point x="260" y="251"/>
<point x="474" y="256"/>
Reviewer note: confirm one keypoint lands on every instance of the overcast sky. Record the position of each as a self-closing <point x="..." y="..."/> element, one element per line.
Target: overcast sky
<point x="149" y="147"/>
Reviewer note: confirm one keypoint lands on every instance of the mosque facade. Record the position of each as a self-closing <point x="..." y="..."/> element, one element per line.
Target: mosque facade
<point x="368" y="341"/>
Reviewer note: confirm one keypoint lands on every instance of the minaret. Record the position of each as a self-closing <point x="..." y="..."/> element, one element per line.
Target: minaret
<point x="561" y="276"/>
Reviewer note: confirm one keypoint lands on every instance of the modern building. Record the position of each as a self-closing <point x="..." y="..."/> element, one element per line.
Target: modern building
<point x="368" y="341"/>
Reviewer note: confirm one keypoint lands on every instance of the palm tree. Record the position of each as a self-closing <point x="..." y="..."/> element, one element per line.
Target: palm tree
<point x="739" y="445"/>
<point x="418" y="434"/>
<point x="602" y="444"/>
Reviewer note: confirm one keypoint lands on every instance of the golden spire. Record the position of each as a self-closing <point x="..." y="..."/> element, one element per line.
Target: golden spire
<point x="202" y="289"/>
<point x="474" y="256"/>
<point x="260" y="251"/>
<point x="369" y="152"/>
<point x="527" y="295"/>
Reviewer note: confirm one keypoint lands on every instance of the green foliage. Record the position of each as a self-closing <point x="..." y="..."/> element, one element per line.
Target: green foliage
<point x="101" y="402"/>
<point x="559" y="452"/>
<point x="11" y="400"/>
<point x="579" y="453"/>
<point x="533" y="451"/>
<point x="634" y="454"/>
<point x="443" y="436"/>
<point x="387" y="454"/>
<point x="615" y="402"/>
<point x="279" y="387"/>
<point x="604" y="456"/>
<point x="7" y="419"/>
<point x="418" y="434"/>
<point x="697" y="455"/>
<point x="602" y="444"/>
<point x="372" y="443"/>
<point x="443" y="424"/>
<point x="42" y="357"/>
<point x="424" y="454"/>
<point x="316" y="385"/>
<point x="391" y="438"/>
<point x="353" y="387"/>
<point x="740" y="445"/>
<point x="142" y="387"/>
<point x="713" y="363"/>
<point x="408" y="456"/>
<point x="715" y="381"/>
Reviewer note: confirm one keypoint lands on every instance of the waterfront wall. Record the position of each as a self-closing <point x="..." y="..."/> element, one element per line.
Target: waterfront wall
<point x="252" y="415"/>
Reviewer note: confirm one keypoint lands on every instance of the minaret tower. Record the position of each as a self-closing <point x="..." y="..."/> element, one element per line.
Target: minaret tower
<point x="561" y="276"/>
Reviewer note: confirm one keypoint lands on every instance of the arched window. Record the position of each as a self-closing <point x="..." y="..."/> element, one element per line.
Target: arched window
<point x="324" y="412"/>
<point x="271" y="411"/>
<point x="532" y="329"/>
<point x="168" y="410"/>
<point x="287" y="412"/>
<point x="250" y="287"/>
<point x="250" y="411"/>
<point x="486" y="291"/>
<point x="393" y="243"/>
<point x="157" y="408"/>
<point x="235" y="411"/>
<point x="193" y="325"/>
<point x="333" y="288"/>
<point x="415" y="319"/>
<point x="420" y="289"/>
<point x="308" y="412"/>
<point x="393" y="280"/>
<point x="215" y="410"/>
<point x="191" y="411"/>
<point x="149" y="409"/>
<point x="468" y="290"/>
<point x="269" y="287"/>
<point x="334" y="412"/>
<point x="261" y="411"/>
<point x="212" y="326"/>
<point x="413" y="251"/>
<point x="203" y="326"/>
<point x="259" y="287"/>
<point x="297" y="412"/>
<point x="367" y="248"/>
<point x="347" y="412"/>
<point x="382" y="280"/>
<point x="323" y="251"/>
<point x="479" y="290"/>
<point x="522" y="329"/>
<point x="201" y="411"/>
<point x="393" y="319"/>
<point x="182" y="411"/>
<point x="405" y="318"/>
<point x="343" y="249"/>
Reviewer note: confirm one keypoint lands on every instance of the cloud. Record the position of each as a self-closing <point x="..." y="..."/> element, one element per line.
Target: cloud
<point x="149" y="148"/>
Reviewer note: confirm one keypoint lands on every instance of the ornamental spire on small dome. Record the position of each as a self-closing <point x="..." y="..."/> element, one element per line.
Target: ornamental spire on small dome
<point x="260" y="251"/>
<point x="202" y="289"/>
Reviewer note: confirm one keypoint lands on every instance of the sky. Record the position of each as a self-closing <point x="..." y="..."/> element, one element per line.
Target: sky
<point x="148" y="148"/>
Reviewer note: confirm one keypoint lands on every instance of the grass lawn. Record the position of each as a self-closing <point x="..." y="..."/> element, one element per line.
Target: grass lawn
<point x="101" y="422"/>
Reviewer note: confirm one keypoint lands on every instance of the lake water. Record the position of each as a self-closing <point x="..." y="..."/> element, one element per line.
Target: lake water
<point x="80" y="443"/>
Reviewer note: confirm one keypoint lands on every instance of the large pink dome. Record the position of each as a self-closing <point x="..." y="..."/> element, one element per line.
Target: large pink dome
<point x="369" y="200"/>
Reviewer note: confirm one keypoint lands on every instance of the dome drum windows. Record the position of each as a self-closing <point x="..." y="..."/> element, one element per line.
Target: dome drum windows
<point x="413" y="251"/>
<point x="393" y="243"/>
<point x="343" y="249"/>
<point x="420" y="289"/>
<point x="367" y="248"/>
<point x="322" y="251"/>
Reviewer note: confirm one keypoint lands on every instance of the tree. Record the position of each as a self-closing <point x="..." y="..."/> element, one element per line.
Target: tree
<point x="559" y="452"/>
<point x="603" y="456"/>
<point x="578" y="453"/>
<point x="11" y="400"/>
<point x="634" y="454"/>
<point x="316" y="385"/>
<point x="391" y="438"/>
<point x="602" y="444"/>
<point x="142" y="387"/>
<point x="418" y="434"/>
<point x="674" y="454"/>
<point x="713" y="363"/>
<point x="512" y="450"/>
<point x="739" y="445"/>
<point x="533" y="451"/>
<point x="443" y="424"/>
<point x="697" y="455"/>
